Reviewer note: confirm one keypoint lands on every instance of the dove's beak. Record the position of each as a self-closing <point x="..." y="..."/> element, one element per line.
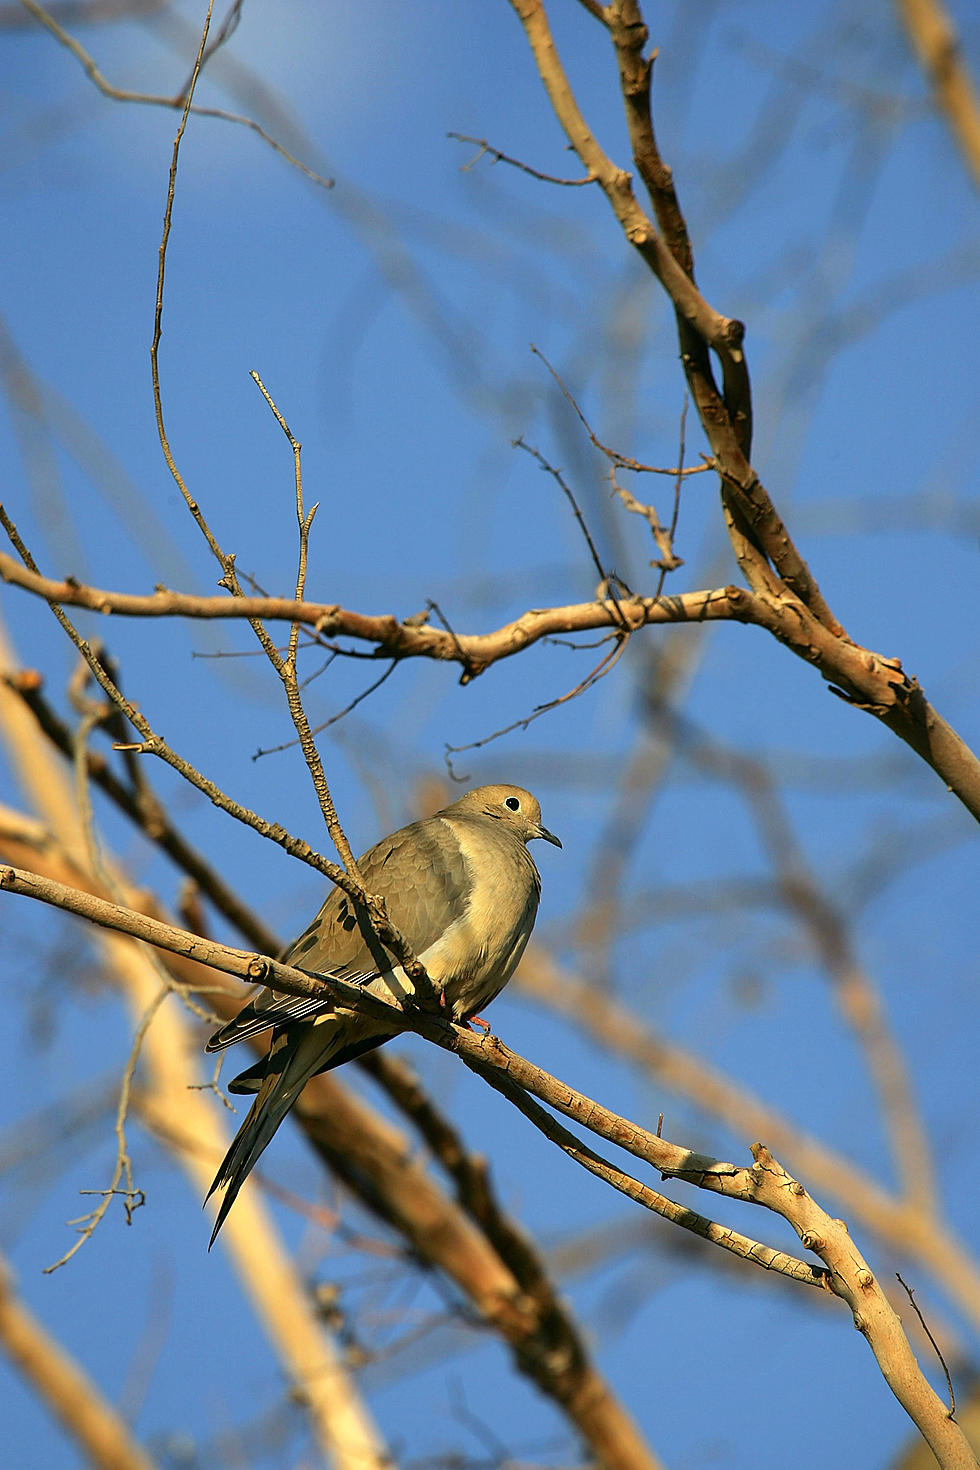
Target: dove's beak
<point x="548" y="836"/>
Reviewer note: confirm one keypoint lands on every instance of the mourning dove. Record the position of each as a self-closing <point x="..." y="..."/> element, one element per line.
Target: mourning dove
<point x="462" y="888"/>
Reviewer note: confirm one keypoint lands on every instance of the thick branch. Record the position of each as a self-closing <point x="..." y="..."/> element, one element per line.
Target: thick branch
<point x="873" y="683"/>
<point x="629" y="35"/>
<point x="850" y="1279"/>
<point x="252" y="968"/>
<point x="767" y="1184"/>
<point x="370" y="908"/>
<point x="758" y="535"/>
<point x="616" y="184"/>
<point x="907" y="1229"/>
<point x="933" y="36"/>
<point x="502" y="1281"/>
<point x="148" y="814"/>
<point x="487" y="1056"/>
<point x="874" y="1316"/>
<point x="95" y="1426"/>
<point x="393" y="639"/>
<point x="385" y="1171"/>
<point x="311" y="1361"/>
<point x="720" y="1235"/>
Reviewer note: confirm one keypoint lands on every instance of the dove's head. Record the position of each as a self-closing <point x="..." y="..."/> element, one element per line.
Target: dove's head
<point x="511" y="804"/>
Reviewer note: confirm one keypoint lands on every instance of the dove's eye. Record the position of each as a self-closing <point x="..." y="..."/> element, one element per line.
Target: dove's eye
<point x="512" y="804"/>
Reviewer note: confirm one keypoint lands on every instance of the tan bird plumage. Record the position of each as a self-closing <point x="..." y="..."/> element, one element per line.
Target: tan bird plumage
<point x="462" y="888"/>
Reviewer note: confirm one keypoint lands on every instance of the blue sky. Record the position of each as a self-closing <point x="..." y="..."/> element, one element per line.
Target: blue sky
<point x="391" y="318"/>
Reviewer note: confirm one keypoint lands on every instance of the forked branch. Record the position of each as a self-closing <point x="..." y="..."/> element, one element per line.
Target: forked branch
<point x="763" y="1183"/>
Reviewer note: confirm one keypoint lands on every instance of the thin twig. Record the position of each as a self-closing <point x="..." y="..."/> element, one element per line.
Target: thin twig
<point x="670" y="562"/>
<point x="679" y="482"/>
<point x="118" y="94"/>
<point x="370" y="909"/>
<point x="132" y="1198"/>
<point x="935" y="1346"/>
<point x="498" y="157"/>
<point x="286" y="667"/>
<point x="153" y="744"/>
<point x="433" y="607"/>
<point x="325" y="725"/>
<point x="606" y="579"/>
<point x="122" y="1174"/>
<point x="622" y="461"/>
<point x="601" y="669"/>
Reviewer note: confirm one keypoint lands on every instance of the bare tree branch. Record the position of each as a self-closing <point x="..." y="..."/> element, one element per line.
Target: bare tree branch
<point x="310" y="1359"/>
<point x="867" y="680"/>
<point x="383" y="1170"/>
<point x="47" y="19"/>
<point x="905" y="1227"/>
<point x="95" y="1426"/>
<point x="765" y="1183"/>
<point x="933" y="37"/>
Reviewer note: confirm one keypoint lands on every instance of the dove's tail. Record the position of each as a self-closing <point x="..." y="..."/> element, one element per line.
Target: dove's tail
<point x="297" y="1053"/>
<point x="286" y="1076"/>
